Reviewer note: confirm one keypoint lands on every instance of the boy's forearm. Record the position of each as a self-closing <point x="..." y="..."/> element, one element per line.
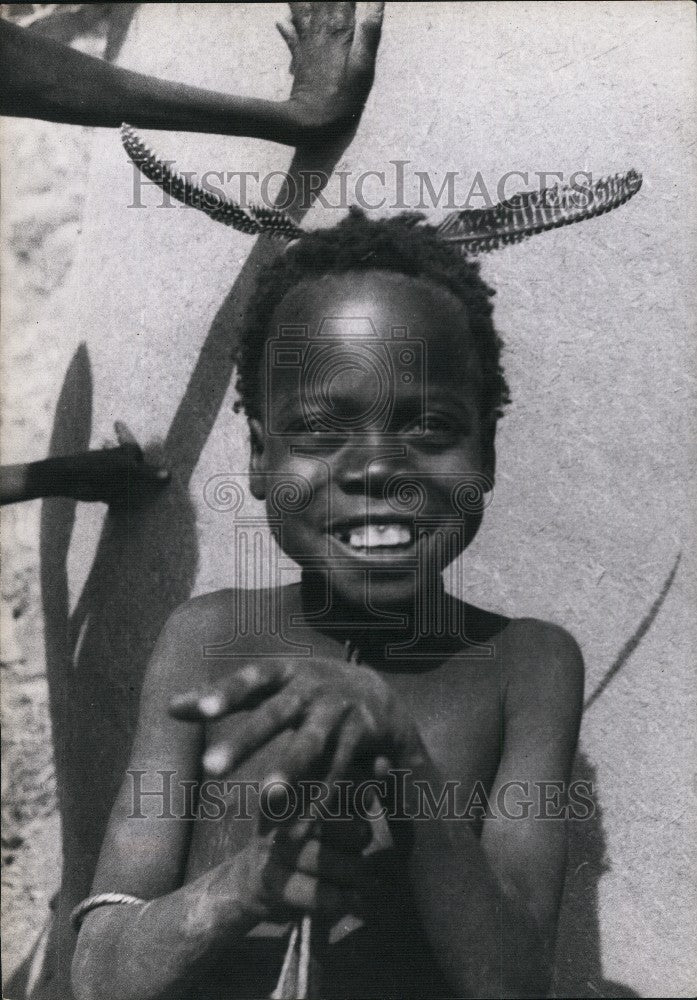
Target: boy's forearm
<point x="152" y="952"/>
<point x="44" y="79"/>
<point x="484" y="938"/>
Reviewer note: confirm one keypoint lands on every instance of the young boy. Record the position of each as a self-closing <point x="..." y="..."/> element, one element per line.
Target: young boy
<point x="369" y="371"/>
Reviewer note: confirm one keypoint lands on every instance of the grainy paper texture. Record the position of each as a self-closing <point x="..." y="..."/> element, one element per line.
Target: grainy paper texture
<point x="108" y="312"/>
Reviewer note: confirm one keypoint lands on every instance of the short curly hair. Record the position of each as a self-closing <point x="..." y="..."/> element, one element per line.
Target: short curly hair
<point x="357" y="243"/>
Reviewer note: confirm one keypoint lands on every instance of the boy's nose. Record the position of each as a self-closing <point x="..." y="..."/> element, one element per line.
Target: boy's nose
<point x="366" y="465"/>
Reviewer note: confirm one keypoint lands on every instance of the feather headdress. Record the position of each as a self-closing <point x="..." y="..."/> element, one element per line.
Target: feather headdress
<point x="531" y="212"/>
<point x="473" y="231"/>
<point x="255" y="220"/>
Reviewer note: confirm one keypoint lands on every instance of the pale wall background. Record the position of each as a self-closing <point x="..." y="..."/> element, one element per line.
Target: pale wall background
<point x="592" y="505"/>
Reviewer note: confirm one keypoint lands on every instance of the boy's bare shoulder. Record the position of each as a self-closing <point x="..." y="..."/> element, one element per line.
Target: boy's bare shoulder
<point x="231" y="620"/>
<point x="198" y="623"/>
<point x="523" y="647"/>
<point x="535" y="639"/>
<point x="204" y="616"/>
<point x="532" y="661"/>
<point x="203" y="611"/>
<point x="541" y="662"/>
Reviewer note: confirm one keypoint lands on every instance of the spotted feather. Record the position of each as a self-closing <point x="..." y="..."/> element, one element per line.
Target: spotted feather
<point x="255" y="220"/>
<point x="530" y="212"/>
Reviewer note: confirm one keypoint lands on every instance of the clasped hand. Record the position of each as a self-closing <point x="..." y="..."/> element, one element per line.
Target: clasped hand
<point x="346" y="722"/>
<point x="344" y="717"/>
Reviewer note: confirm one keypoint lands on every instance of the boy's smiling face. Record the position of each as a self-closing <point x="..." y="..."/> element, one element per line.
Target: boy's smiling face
<point x="371" y="399"/>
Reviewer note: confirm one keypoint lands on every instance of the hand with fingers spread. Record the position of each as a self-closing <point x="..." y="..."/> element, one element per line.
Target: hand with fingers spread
<point x="344" y="717"/>
<point x="333" y="66"/>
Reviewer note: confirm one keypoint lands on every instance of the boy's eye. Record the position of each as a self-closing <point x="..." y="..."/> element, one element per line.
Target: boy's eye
<point x="435" y="426"/>
<point x="305" y="433"/>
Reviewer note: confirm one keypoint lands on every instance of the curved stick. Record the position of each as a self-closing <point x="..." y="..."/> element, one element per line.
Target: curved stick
<point x="633" y="642"/>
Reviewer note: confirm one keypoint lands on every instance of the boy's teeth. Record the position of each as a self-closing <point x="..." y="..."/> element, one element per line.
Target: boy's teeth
<point x="379" y="535"/>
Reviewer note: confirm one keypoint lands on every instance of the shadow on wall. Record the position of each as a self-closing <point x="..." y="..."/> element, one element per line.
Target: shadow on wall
<point x="145" y="566"/>
<point x="578" y="965"/>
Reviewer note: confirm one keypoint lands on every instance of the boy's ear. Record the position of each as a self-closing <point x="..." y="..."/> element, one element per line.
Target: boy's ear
<point x="257" y="477"/>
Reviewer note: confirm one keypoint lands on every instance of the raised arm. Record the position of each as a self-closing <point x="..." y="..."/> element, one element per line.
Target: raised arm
<point x="43" y="79"/>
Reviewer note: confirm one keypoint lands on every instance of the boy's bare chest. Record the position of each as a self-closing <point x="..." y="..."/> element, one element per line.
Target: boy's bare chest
<point x="457" y="708"/>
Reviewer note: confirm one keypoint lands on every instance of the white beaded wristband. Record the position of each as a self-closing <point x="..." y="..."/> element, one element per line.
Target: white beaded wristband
<point x="102" y="899"/>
